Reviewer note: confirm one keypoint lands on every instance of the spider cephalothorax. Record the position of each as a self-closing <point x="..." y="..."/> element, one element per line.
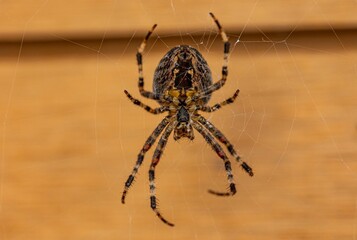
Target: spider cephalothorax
<point x="183" y="126"/>
<point x="183" y="86"/>
<point x="184" y="110"/>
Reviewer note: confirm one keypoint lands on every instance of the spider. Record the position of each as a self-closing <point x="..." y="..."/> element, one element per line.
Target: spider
<point x="183" y="86"/>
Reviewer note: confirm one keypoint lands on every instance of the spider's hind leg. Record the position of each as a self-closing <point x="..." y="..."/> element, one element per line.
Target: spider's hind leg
<point x="139" y="59"/>
<point x="226" y="48"/>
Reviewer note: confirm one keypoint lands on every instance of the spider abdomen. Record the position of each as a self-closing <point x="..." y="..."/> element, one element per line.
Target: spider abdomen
<point x="182" y="67"/>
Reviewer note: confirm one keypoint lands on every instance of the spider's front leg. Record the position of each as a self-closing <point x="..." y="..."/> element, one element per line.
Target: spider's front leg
<point x="219" y="135"/>
<point x="156" y="158"/>
<point x="227" y="164"/>
<point x="149" y="142"/>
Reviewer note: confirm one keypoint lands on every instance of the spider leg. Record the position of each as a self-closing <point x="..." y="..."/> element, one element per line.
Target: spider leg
<point x="219" y="105"/>
<point x="156" y="158"/>
<point x="146" y="107"/>
<point x="223" y="79"/>
<point x="139" y="59"/>
<point x="219" y="135"/>
<point x="149" y="142"/>
<point x="227" y="164"/>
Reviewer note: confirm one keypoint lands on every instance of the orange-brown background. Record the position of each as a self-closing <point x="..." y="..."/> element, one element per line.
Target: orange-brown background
<point x="69" y="137"/>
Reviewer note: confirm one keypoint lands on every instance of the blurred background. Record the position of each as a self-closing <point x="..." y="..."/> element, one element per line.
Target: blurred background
<point x="69" y="137"/>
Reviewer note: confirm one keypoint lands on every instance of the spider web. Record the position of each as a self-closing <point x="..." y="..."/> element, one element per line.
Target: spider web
<point x="288" y="123"/>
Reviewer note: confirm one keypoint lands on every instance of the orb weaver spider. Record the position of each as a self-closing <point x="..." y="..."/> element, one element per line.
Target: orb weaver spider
<point x="183" y="86"/>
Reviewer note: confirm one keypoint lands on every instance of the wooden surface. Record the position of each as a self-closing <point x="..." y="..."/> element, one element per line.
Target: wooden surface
<point x="69" y="139"/>
<point x="43" y="19"/>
